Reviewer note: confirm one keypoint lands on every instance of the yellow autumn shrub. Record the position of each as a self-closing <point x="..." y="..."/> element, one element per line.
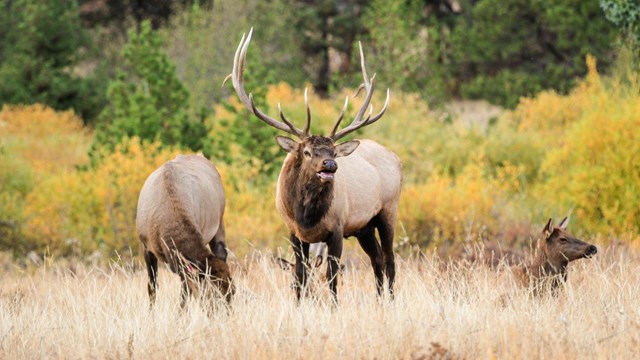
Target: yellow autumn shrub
<point x="447" y="209"/>
<point x="553" y="155"/>
<point x="550" y="113"/>
<point x="36" y="143"/>
<point x="596" y="172"/>
<point x="251" y="219"/>
<point x="587" y="143"/>
<point x="46" y="140"/>
<point x="78" y="212"/>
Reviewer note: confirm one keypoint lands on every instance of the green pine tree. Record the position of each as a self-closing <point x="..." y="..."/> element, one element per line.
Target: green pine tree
<point x="42" y="44"/>
<point x="147" y="100"/>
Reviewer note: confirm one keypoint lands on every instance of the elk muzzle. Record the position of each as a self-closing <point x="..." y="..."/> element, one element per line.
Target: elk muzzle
<point x="328" y="170"/>
<point x="591" y="251"/>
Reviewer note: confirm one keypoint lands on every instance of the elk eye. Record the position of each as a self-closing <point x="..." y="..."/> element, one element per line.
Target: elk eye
<point x="306" y="153"/>
<point x="564" y="239"/>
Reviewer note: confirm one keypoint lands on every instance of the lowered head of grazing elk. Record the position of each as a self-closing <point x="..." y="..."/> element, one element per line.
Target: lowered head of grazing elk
<point x="556" y="249"/>
<point x="328" y="191"/>
<point x="180" y="221"/>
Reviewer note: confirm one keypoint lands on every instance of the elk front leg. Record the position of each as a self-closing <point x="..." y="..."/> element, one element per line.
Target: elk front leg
<point x="301" y="250"/>
<point x="184" y="290"/>
<point x="334" y="252"/>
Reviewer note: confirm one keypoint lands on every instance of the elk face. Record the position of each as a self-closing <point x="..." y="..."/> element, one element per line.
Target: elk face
<point x="219" y="276"/>
<point x="317" y="155"/>
<point x="211" y="276"/>
<point x="563" y="247"/>
<point x="218" y="273"/>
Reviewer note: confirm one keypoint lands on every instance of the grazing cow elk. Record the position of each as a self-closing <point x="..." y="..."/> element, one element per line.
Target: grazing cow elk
<point x="179" y="221"/>
<point x="328" y="191"/>
<point x="556" y="249"/>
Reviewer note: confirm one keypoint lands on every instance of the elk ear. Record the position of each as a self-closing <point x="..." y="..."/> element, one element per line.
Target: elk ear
<point x="220" y="251"/>
<point x="548" y="229"/>
<point x="346" y="148"/>
<point x="287" y="144"/>
<point x="318" y="261"/>
<point x="564" y="223"/>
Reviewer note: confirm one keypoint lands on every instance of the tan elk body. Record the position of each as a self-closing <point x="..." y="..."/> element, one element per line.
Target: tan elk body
<point x="328" y="191"/>
<point x="180" y="222"/>
<point x="367" y="183"/>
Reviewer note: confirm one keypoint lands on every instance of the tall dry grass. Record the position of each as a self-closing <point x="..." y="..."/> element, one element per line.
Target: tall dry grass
<point x="440" y="311"/>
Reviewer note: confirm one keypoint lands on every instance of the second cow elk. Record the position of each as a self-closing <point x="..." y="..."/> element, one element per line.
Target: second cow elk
<point x="180" y="222"/>
<point x="555" y="250"/>
<point x="328" y="191"/>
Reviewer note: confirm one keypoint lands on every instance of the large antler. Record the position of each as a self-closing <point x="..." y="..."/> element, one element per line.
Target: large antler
<point x="237" y="79"/>
<point x="358" y="121"/>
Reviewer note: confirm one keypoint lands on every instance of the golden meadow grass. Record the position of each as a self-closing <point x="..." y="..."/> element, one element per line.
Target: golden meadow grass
<point x="440" y="312"/>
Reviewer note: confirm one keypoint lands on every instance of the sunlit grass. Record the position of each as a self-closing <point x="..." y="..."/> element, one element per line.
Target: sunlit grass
<point x="77" y="311"/>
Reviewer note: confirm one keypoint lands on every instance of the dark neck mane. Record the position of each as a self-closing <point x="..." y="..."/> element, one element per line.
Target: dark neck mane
<point x="307" y="199"/>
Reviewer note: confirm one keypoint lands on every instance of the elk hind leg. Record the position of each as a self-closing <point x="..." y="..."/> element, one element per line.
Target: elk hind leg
<point x="152" y="270"/>
<point x="385" y="225"/>
<point x="369" y="243"/>
<point x="217" y="244"/>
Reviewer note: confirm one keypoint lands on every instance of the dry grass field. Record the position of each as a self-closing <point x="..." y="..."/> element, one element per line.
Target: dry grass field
<point x="440" y="312"/>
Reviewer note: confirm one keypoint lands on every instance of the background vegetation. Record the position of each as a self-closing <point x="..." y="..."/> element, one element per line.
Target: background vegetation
<point x="96" y="95"/>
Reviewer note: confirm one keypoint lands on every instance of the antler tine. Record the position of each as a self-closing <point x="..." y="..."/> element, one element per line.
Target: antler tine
<point x="371" y="120"/>
<point x="366" y="83"/>
<point x="363" y="65"/>
<point x="284" y="119"/>
<point x="226" y="79"/>
<point x="362" y="86"/>
<point x="358" y="121"/>
<point x="367" y="100"/>
<point x="305" y="133"/>
<point x="235" y="64"/>
<point x="344" y="109"/>
<point x="237" y="77"/>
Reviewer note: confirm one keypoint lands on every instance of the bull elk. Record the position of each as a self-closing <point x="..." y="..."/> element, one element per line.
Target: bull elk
<point x="180" y="221"/>
<point x="555" y="250"/>
<point x="327" y="192"/>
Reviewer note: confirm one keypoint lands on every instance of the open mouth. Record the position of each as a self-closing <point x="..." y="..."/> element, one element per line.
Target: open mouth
<point x="326" y="175"/>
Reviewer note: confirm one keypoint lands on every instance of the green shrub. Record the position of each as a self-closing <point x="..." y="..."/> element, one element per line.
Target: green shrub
<point x="42" y="46"/>
<point x="147" y="100"/>
<point x="504" y="50"/>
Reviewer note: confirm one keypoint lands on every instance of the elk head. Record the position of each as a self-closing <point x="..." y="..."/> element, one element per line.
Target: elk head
<point x="561" y="247"/>
<point x="316" y="153"/>
<point x="211" y="275"/>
